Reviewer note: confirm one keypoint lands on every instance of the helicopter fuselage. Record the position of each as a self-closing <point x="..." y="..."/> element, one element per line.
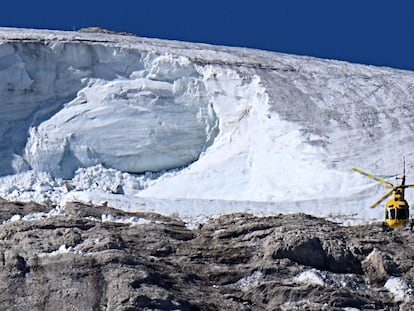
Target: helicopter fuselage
<point x="396" y="211"/>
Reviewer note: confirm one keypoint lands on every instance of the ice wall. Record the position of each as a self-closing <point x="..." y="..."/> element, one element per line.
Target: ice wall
<point x="68" y="105"/>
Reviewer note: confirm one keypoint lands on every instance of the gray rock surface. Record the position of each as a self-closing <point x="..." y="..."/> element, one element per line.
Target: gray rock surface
<point x="85" y="261"/>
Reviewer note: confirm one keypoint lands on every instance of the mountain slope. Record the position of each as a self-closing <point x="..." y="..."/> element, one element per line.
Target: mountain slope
<point x="98" y="258"/>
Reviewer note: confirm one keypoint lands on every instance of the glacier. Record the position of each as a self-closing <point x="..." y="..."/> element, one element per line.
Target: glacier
<point x="196" y="130"/>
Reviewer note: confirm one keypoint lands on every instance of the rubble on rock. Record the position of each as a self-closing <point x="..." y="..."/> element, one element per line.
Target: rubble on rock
<point x="98" y="258"/>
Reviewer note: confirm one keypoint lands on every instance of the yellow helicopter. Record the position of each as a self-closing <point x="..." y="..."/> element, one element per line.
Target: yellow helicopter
<point x="396" y="209"/>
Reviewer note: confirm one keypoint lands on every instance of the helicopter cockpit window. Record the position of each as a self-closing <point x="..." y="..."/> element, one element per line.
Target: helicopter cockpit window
<point x="402" y="213"/>
<point x="390" y="213"/>
<point x="399" y="213"/>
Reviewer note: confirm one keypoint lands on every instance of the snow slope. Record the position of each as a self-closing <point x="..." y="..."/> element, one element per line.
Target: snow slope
<point x="196" y="130"/>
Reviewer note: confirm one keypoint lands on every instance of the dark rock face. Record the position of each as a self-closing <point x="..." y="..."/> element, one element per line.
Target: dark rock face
<point x="77" y="261"/>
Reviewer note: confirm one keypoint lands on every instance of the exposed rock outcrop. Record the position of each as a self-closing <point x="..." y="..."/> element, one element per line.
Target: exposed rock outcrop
<point x="98" y="258"/>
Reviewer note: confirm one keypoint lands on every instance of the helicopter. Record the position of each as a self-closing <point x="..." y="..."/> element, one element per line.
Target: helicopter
<point x="396" y="209"/>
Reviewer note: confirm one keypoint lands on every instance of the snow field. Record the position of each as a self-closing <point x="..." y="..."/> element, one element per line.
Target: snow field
<point x="195" y="131"/>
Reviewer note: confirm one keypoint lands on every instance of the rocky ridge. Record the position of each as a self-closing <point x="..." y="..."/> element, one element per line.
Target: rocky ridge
<point x="98" y="258"/>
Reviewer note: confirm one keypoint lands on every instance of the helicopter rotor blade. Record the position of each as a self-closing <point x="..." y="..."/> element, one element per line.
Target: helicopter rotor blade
<point x="408" y="186"/>
<point x="382" y="199"/>
<point x="380" y="180"/>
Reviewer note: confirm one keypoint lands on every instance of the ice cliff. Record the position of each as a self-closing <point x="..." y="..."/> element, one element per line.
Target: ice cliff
<point x="77" y="104"/>
<point x="199" y="121"/>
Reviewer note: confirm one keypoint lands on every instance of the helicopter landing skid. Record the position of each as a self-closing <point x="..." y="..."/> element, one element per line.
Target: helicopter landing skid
<point x="386" y="228"/>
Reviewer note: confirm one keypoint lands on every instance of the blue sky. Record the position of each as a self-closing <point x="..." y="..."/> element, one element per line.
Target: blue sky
<point x="376" y="32"/>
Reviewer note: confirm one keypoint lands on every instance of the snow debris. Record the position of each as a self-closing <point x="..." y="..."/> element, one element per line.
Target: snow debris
<point x="299" y="305"/>
<point x="61" y="250"/>
<point x="248" y="283"/>
<point x="124" y="220"/>
<point x="37" y="216"/>
<point x="324" y="278"/>
<point x="398" y="288"/>
<point x="13" y="218"/>
<point x="311" y="277"/>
